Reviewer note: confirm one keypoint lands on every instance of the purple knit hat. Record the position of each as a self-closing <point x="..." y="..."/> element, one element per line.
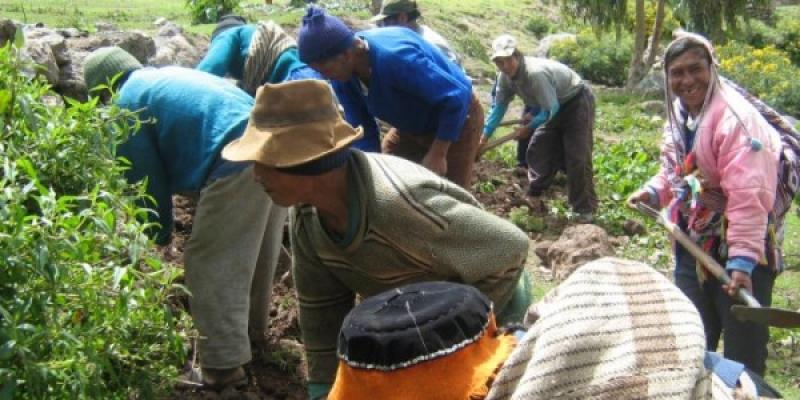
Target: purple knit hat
<point x="322" y="36"/>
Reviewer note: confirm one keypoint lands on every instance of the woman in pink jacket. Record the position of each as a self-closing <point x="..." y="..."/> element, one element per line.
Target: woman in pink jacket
<point x="718" y="180"/>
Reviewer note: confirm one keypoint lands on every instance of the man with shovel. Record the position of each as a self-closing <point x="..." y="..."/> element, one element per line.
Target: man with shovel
<point x="560" y="131"/>
<point x="718" y="182"/>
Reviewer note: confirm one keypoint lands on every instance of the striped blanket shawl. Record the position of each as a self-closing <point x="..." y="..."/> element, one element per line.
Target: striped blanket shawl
<point x="615" y="329"/>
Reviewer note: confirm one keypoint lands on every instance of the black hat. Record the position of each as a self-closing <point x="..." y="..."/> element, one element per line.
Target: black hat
<point x="226" y="22"/>
<point x="422" y="321"/>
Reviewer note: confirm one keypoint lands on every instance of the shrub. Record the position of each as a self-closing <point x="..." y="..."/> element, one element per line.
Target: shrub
<point x="600" y="60"/>
<point x="767" y="73"/>
<point x="539" y="26"/>
<point x="83" y="309"/>
<point x="669" y="24"/>
<point x="760" y="34"/>
<point x="209" y="11"/>
<point x="784" y="36"/>
<point x="790" y="40"/>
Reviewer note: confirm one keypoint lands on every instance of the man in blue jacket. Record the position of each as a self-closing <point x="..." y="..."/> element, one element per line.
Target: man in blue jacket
<point x="255" y="54"/>
<point x="188" y="116"/>
<point x="395" y="75"/>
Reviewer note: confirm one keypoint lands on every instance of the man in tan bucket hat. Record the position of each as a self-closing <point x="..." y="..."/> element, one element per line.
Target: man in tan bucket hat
<point x="364" y="222"/>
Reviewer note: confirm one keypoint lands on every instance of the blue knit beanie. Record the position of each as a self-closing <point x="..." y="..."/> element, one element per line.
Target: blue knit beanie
<point x="322" y="36"/>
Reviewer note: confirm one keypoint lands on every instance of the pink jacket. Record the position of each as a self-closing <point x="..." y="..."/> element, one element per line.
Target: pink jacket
<point x="729" y="164"/>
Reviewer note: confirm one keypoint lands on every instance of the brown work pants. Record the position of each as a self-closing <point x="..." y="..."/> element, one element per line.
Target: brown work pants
<point x="566" y="142"/>
<point x="461" y="154"/>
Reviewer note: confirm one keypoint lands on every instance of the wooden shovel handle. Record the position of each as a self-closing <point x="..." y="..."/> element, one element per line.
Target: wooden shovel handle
<point x="499" y="141"/>
<point x="741" y="293"/>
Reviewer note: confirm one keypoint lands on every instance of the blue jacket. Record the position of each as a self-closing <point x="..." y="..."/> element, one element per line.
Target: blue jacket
<point x="412" y="86"/>
<point x="187" y="117"/>
<point x="229" y="50"/>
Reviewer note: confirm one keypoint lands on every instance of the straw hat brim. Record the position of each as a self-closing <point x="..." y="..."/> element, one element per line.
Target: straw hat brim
<point x="291" y="145"/>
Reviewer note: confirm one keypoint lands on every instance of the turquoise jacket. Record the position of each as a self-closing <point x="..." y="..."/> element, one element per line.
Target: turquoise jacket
<point x="229" y="50"/>
<point x="187" y="116"/>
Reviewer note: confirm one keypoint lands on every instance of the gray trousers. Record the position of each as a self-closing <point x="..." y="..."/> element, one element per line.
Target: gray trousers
<point x="230" y="261"/>
<point x="566" y="142"/>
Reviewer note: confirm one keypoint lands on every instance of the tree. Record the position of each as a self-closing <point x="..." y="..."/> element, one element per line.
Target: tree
<point x="607" y="14"/>
<point x="601" y="14"/>
<point x="639" y="65"/>
<point x="714" y="18"/>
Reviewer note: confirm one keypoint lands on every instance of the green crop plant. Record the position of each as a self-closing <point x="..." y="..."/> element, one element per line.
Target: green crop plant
<point x="83" y="310"/>
<point x="522" y="218"/>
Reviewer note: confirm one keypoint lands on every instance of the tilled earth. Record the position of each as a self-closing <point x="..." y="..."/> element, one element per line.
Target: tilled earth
<point x="277" y="370"/>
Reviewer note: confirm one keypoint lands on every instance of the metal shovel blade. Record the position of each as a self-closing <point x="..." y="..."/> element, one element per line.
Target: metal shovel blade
<point x="767" y="316"/>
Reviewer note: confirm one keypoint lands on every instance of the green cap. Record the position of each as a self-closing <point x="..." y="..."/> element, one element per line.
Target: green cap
<point x="394" y="7"/>
<point x="106" y="62"/>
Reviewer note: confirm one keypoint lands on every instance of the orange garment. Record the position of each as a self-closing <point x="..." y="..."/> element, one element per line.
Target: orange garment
<point x="461" y="375"/>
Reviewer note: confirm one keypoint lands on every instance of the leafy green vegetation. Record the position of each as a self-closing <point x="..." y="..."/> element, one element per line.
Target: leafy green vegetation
<point x="600" y="60"/>
<point x="84" y="311"/>
<point x="768" y="73"/>
<point x="209" y="11"/>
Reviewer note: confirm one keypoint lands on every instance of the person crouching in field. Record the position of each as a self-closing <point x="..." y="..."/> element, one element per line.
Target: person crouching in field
<point x="395" y="75"/>
<point x="188" y="116"/>
<point x="253" y="54"/>
<point x="560" y="131"/>
<point x="363" y="223"/>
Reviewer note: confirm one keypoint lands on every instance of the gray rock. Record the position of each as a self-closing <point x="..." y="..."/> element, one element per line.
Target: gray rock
<point x="71" y="32"/>
<point x="51" y="38"/>
<point x="160" y="21"/>
<point x="578" y="245"/>
<point x="547" y="42"/>
<point x="8" y="29"/>
<point x="652" y="84"/>
<point x="174" y="47"/>
<point x="139" y="44"/>
<point x="103" y="26"/>
<point x="71" y="82"/>
<point x="169" y="29"/>
<point x="41" y="54"/>
<point x="540" y="248"/>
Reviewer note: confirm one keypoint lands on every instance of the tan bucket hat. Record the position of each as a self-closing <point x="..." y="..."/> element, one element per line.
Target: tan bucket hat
<point x="292" y="123"/>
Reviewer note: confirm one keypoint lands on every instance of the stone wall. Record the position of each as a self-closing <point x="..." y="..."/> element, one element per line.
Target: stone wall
<point x="59" y="53"/>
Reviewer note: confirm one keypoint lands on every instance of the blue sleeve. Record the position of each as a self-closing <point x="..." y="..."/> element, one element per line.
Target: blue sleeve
<point x="221" y="53"/>
<point x="142" y="151"/>
<point x="318" y="390"/>
<point x="446" y="93"/>
<point x="496" y="115"/>
<point x="357" y="114"/>
<point x="543" y="116"/>
<point x="304" y="72"/>
<point x="742" y="264"/>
